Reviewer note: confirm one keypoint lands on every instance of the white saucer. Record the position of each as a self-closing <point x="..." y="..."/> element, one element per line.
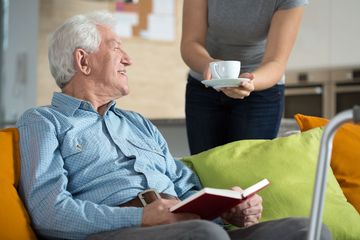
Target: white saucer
<point x="221" y="83"/>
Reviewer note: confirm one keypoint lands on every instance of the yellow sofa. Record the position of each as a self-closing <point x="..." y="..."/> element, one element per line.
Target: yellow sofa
<point x="14" y="220"/>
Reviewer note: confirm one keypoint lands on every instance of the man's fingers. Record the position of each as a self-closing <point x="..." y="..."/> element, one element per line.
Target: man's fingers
<point x="252" y="210"/>
<point x="251" y="220"/>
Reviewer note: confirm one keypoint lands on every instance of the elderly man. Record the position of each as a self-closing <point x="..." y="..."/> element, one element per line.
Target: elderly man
<point x="84" y="161"/>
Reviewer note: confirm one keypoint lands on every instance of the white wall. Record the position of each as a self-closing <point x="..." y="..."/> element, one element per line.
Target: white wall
<point x="345" y="33"/>
<point x="329" y="35"/>
<point x="19" y="76"/>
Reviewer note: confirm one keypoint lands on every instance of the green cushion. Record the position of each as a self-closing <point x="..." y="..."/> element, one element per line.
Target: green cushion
<point x="290" y="164"/>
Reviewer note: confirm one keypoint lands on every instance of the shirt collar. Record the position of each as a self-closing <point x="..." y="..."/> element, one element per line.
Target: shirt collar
<point x="69" y="104"/>
<point x="111" y="106"/>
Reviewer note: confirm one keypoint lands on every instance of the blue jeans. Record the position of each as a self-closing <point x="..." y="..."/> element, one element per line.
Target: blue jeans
<point x="214" y="119"/>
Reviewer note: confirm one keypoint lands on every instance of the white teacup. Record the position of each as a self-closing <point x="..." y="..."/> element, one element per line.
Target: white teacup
<point x="225" y="69"/>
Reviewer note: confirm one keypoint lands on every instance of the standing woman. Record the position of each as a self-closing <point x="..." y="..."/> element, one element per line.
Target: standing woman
<point x="260" y="34"/>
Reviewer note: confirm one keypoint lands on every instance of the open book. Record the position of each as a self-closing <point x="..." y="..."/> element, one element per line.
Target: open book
<point x="210" y="203"/>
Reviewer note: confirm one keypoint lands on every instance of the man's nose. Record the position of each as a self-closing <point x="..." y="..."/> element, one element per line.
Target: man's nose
<point x="126" y="60"/>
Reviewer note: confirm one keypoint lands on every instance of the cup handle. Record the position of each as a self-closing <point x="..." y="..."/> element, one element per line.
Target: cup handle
<point x="214" y="70"/>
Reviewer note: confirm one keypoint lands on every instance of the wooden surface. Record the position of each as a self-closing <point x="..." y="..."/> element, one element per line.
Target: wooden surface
<point x="157" y="78"/>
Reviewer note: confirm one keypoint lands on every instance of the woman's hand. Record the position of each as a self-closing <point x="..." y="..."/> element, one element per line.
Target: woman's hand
<point x="243" y="90"/>
<point x="207" y="71"/>
<point x="239" y="92"/>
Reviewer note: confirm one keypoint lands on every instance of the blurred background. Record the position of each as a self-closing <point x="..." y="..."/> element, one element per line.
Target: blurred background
<point x="322" y="78"/>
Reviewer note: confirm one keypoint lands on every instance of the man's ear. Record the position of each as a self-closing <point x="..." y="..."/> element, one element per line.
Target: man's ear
<point x="82" y="61"/>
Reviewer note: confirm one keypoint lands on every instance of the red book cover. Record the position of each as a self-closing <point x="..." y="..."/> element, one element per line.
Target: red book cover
<point x="210" y="203"/>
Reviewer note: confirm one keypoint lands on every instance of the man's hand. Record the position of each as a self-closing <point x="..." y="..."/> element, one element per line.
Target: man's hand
<point x="246" y="213"/>
<point x="157" y="213"/>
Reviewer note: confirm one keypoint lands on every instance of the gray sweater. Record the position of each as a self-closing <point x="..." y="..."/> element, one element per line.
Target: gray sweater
<point x="237" y="29"/>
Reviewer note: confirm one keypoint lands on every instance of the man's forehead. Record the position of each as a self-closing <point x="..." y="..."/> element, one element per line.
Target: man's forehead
<point x="115" y="41"/>
<point x="111" y="36"/>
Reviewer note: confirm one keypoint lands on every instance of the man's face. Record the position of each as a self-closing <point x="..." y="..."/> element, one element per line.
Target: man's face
<point x="108" y="66"/>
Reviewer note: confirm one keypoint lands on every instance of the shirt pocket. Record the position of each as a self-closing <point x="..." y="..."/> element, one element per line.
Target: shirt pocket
<point x="147" y="144"/>
<point x="71" y="148"/>
<point x="85" y="145"/>
<point x="149" y="154"/>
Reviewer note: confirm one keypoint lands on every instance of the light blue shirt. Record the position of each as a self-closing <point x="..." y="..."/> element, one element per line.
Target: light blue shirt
<point x="78" y="166"/>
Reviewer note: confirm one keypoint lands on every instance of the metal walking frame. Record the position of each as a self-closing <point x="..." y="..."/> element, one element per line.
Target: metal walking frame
<point x="322" y="167"/>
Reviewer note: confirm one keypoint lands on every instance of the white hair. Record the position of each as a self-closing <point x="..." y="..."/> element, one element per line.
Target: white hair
<point x="79" y="31"/>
